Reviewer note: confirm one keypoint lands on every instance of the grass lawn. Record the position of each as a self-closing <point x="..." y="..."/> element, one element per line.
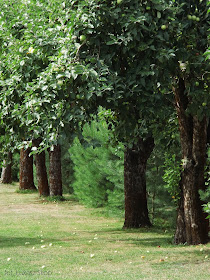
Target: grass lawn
<point x="64" y="240"/>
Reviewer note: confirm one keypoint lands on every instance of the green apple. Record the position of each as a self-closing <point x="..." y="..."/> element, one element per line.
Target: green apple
<point x="204" y="104"/>
<point x="197" y="84"/>
<point x="119" y="1"/>
<point x="82" y="38"/>
<point x="189" y="17"/>
<point x="194" y="17"/>
<point x="60" y="82"/>
<point x="197" y="19"/>
<point x="158" y="14"/>
<point x="163" y="27"/>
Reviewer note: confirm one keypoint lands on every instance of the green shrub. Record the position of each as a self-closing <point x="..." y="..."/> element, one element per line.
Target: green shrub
<point x="98" y="168"/>
<point x="206" y="208"/>
<point x="16" y="166"/>
<point x="160" y="204"/>
<point x="205" y="195"/>
<point x="67" y="168"/>
<point x="172" y="171"/>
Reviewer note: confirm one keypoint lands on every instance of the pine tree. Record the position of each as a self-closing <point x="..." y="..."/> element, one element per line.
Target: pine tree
<point x="98" y="167"/>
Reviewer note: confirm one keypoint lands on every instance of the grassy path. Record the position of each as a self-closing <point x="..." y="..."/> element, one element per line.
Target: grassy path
<point x="46" y="240"/>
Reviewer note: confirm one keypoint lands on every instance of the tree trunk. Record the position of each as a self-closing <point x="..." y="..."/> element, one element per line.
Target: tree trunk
<point x="192" y="225"/>
<point x="207" y="181"/>
<point x="136" y="211"/>
<point x="6" y="174"/>
<point x="26" y="170"/>
<point x="41" y="171"/>
<point x="180" y="234"/>
<point x="55" y="176"/>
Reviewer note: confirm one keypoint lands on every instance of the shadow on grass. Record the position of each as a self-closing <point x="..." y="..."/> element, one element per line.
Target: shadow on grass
<point x="144" y="230"/>
<point x="159" y="240"/>
<point x="22" y="241"/>
<point x="152" y="241"/>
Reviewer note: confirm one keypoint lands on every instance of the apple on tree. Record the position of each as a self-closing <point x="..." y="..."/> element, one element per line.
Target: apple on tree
<point x="163" y="27"/>
<point x="82" y="38"/>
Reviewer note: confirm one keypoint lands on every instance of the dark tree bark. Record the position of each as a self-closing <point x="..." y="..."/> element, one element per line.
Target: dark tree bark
<point x="41" y="171"/>
<point x="180" y="234"/>
<point x="55" y="175"/>
<point x="6" y="174"/>
<point x="192" y="225"/>
<point x="208" y="147"/>
<point x="26" y="170"/>
<point x="208" y="133"/>
<point x="136" y="211"/>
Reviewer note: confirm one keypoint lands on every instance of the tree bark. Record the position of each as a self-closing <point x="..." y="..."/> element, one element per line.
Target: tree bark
<point x="192" y="225"/>
<point x="26" y="170"/>
<point x="41" y="171"/>
<point x="55" y="175"/>
<point x="180" y="234"/>
<point x="208" y="147"/>
<point x="6" y="174"/>
<point x="136" y="211"/>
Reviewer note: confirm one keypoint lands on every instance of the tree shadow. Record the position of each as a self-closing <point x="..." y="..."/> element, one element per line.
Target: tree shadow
<point x="157" y="241"/>
<point x="144" y="230"/>
<point x="150" y="242"/>
<point x="21" y="241"/>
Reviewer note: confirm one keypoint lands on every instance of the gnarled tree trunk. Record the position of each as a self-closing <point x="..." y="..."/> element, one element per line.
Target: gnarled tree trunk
<point x="192" y="225"/>
<point x="6" y="174"/>
<point x="26" y="170"/>
<point x="135" y="161"/>
<point x="41" y="171"/>
<point x="55" y="175"/>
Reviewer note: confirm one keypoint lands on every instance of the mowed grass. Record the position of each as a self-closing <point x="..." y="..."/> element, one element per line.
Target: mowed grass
<point x="64" y="240"/>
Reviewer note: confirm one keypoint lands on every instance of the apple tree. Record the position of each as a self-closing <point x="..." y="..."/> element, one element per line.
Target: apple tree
<point x="122" y="42"/>
<point x="188" y="72"/>
<point x="27" y="45"/>
<point x="154" y="46"/>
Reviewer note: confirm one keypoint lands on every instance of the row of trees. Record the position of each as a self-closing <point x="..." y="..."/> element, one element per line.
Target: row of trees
<point x="26" y="171"/>
<point x="143" y="60"/>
